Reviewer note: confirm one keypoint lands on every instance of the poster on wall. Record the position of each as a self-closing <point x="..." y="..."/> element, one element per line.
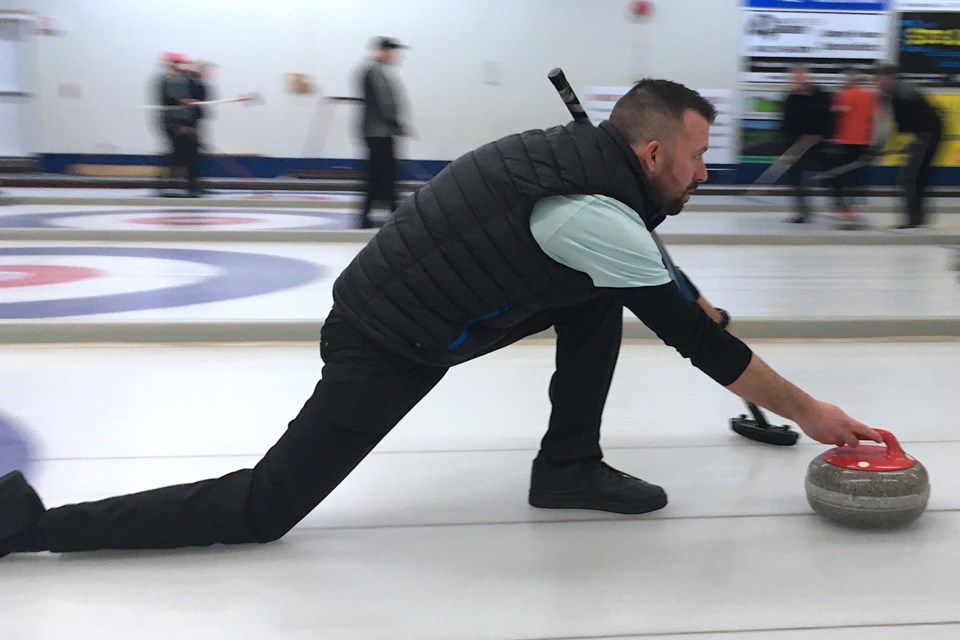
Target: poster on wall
<point x="824" y="36"/>
<point x="926" y="5"/>
<point x="930" y="48"/>
<point x="599" y="103"/>
<point x="822" y="5"/>
<point x="761" y="142"/>
<point x="760" y="139"/>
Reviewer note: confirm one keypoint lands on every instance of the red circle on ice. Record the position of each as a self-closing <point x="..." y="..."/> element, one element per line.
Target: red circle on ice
<point x="198" y="220"/>
<point x="33" y="275"/>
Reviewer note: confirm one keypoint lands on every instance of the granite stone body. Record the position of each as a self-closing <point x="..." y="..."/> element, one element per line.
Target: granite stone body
<point x="867" y="499"/>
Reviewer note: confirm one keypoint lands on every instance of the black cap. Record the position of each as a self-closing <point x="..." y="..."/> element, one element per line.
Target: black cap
<point x="388" y="43"/>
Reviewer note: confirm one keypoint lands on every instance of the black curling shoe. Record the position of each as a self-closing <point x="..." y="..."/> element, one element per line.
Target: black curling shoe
<point x="20" y="506"/>
<point x="592" y="484"/>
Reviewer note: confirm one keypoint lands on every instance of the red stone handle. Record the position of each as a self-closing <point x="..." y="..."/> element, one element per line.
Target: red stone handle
<point x="893" y="446"/>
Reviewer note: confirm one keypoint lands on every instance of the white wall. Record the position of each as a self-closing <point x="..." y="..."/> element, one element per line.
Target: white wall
<point x="110" y="48"/>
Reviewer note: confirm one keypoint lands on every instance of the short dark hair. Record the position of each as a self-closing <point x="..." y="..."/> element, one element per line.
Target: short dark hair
<point x="654" y="109"/>
<point x="886" y="69"/>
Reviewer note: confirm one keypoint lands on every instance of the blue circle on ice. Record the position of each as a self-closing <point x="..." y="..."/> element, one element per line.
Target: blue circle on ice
<point x="242" y="275"/>
<point x="16" y="450"/>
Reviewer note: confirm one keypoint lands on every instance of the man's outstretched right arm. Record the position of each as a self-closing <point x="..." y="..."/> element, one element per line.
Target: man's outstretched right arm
<point x="683" y="325"/>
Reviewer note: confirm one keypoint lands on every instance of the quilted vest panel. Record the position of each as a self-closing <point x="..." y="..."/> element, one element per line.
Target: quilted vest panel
<point x="456" y="266"/>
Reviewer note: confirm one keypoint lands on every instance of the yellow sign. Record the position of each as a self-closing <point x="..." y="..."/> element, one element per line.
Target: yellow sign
<point x="918" y="37"/>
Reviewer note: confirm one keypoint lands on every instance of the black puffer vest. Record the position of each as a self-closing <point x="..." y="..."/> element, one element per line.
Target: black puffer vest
<point x="457" y="266"/>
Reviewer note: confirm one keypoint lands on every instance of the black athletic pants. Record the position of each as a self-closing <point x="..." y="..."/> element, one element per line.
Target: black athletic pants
<point x="184" y="153"/>
<point x="845" y="156"/>
<point x="381" y="175"/>
<point x="814" y="159"/>
<point x="914" y="178"/>
<point x="363" y="393"/>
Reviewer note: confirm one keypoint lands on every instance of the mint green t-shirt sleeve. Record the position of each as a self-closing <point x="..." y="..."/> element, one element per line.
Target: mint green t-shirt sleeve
<point x="601" y="237"/>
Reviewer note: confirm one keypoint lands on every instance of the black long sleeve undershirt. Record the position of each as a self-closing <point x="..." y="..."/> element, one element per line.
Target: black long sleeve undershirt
<point x="683" y="325"/>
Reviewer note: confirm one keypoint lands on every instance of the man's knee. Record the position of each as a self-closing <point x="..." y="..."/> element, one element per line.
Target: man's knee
<point x="265" y="532"/>
<point x="270" y="523"/>
<point x="273" y="507"/>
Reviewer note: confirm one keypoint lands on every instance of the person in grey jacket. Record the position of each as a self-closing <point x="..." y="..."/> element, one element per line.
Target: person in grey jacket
<point x="381" y="122"/>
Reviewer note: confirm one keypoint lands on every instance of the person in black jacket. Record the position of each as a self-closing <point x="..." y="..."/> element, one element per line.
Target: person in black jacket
<point x="545" y="228"/>
<point x="198" y="78"/>
<point x="806" y="127"/>
<point x="166" y="87"/>
<point x="912" y="113"/>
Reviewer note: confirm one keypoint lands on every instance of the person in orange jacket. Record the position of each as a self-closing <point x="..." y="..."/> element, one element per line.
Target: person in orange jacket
<point x="855" y="110"/>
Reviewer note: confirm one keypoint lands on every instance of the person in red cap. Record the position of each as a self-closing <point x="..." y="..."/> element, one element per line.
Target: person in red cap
<point x="381" y="122"/>
<point x="178" y="121"/>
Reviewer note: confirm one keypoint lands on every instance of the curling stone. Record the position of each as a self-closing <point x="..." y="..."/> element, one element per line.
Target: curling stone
<point x="870" y="487"/>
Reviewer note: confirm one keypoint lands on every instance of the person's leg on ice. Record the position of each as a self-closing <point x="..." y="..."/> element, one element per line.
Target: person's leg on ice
<point x="569" y="472"/>
<point x="363" y="393"/>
